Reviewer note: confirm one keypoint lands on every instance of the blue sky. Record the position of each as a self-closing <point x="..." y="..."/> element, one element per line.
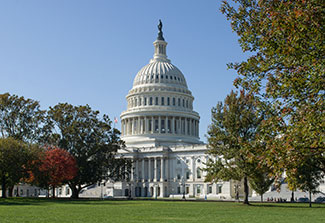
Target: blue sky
<point x="89" y="51"/>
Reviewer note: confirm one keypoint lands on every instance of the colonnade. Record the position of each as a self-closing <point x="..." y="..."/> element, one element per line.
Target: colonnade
<point x="160" y="124"/>
<point x="150" y="170"/>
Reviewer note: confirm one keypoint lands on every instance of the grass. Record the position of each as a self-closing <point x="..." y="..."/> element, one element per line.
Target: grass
<point x="47" y="210"/>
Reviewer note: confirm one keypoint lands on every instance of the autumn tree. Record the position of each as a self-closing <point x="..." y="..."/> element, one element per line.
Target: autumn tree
<point x="54" y="167"/>
<point x="286" y="66"/>
<point x="232" y="139"/>
<point x="90" y="139"/>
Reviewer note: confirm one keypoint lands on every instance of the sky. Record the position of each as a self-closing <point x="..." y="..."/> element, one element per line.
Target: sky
<point x="89" y="51"/>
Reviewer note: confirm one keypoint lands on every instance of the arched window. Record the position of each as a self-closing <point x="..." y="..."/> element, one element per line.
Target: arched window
<point x="183" y="103"/>
<point x="162" y="101"/>
<point x="168" y="101"/>
<point x="156" y="101"/>
<point x="179" y="102"/>
<point x="174" y="101"/>
<point x="150" y="101"/>
<point x="145" y="101"/>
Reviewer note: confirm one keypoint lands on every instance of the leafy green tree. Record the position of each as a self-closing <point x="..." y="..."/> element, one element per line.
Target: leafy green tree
<point x="232" y="138"/>
<point x="20" y="118"/>
<point x="14" y="157"/>
<point x="90" y="139"/>
<point x="286" y="67"/>
<point x="260" y="181"/>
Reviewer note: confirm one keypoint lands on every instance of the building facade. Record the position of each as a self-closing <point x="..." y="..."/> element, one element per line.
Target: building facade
<point x="161" y="132"/>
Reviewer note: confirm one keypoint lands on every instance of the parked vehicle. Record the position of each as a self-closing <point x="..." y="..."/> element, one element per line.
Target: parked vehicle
<point x="303" y="199"/>
<point x="320" y="200"/>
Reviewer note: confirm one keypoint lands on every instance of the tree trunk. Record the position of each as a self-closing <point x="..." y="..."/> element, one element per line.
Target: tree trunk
<point x="262" y="198"/>
<point x="53" y="192"/>
<point x="75" y="191"/>
<point x="3" y="186"/>
<point x="310" y="199"/>
<point x="11" y="190"/>
<point x="246" y="190"/>
<point x="292" y="196"/>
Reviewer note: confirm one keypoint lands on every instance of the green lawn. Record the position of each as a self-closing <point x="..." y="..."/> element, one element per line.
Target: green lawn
<point x="21" y="210"/>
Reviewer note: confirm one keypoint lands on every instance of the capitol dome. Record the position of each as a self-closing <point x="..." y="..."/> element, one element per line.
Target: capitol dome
<point x="159" y="105"/>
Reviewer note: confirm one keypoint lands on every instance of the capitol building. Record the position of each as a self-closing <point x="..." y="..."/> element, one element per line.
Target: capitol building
<point x="161" y="131"/>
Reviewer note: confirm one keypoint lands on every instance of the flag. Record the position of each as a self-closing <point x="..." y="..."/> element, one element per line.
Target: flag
<point x="115" y="120"/>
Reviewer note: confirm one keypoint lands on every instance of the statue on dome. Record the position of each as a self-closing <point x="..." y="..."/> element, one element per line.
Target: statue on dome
<point x="160" y="26"/>
<point x="160" y="33"/>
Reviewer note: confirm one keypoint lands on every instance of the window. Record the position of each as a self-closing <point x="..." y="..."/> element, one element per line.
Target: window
<point x="179" y="102"/>
<point x="166" y="76"/>
<point x="161" y="76"/>
<point x="187" y="190"/>
<point x="163" y="126"/>
<point x="198" y="189"/>
<point x="156" y="101"/>
<point x="135" y="102"/>
<point x="60" y="191"/>
<point x="186" y="103"/>
<point x="21" y="192"/>
<point x="67" y="192"/>
<point x="198" y="173"/>
<point x="156" y="125"/>
<point x="168" y="126"/>
<point x="168" y="101"/>
<point x="150" y="101"/>
<point x="178" y="161"/>
<point x="145" y="101"/>
<point x="162" y="101"/>
<point x="174" y="101"/>
<point x="150" y="124"/>
<point x="178" y="176"/>
<point x="178" y="190"/>
<point x="219" y="188"/>
<point x="139" y="101"/>
<point x="187" y="174"/>
<point x="210" y="189"/>
<point x="183" y="103"/>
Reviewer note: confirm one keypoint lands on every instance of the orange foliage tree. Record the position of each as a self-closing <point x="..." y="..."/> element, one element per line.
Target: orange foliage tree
<point x="54" y="167"/>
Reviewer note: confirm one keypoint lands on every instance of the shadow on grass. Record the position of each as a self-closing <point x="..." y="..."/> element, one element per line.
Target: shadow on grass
<point x="288" y="205"/>
<point x="53" y="201"/>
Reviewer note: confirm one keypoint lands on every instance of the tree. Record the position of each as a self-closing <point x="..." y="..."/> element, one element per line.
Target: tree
<point x="232" y="136"/>
<point x="89" y="138"/>
<point x="260" y="181"/>
<point x="20" y="118"/>
<point x="14" y="156"/>
<point x="286" y="67"/>
<point x="54" y="168"/>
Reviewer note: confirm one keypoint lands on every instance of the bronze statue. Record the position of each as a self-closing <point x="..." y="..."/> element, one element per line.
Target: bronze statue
<point x="160" y="33"/>
<point x="160" y="26"/>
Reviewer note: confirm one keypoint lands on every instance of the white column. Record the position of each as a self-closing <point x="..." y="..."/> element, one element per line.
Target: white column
<point x="155" y="169"/>
<point x="149" y="169"/>
<point x="132" y="171"/>
<point x="162" y="190"/>
<point x="138" y="126"/>
<point x="193" y="169"/>
<point x="185" y="120"/>
<point x="143" y="170"/>
<point x="162" y="169"/>
<point x="132" y="126"/>
<point x="145" y="125"/>
<point x="166" y="124"/>
<point x="152" y="124"/>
